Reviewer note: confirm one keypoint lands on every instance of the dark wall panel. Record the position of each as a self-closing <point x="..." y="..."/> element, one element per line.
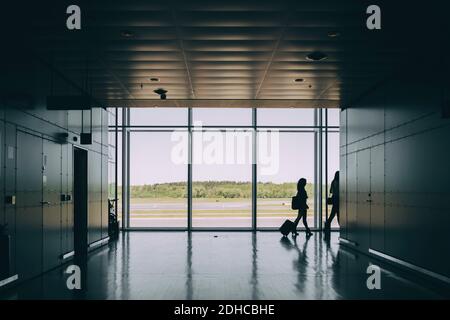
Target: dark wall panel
<point x="41" y="222"/>
<point x="104" y="196"/>
<point x="67" y="206"/>
<point x="2" y="173"/>
<point x="29" y="207"/>
<point x="343" y="197"/>
<point x="74" y="120"/>
<point x="95" y="197"/>
<point x="377" y="198"/>
<point x="10" y="188"/>
<point x="409" y="102"/>
<point x="51" y="181"/>
<point x="69" y="203"/>
<point x="415" y="194"/>
<point x="351" y="197"/>
<point x="400" y="123"/>
<point x="362" y="228"/>
<point x="365" y="122"/>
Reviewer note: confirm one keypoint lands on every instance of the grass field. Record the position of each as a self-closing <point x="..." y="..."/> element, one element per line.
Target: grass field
<point x="211" y="207"/>
<point x="214" y="201"/>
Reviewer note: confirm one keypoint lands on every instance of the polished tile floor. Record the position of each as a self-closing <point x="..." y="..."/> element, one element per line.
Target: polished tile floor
<point x="225" y="265"/>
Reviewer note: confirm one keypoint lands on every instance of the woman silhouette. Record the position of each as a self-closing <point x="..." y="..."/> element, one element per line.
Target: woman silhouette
<point x="334" y="190"/>
<point x="302" y="197"/>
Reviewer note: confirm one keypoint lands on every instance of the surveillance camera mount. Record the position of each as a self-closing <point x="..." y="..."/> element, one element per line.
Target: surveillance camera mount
<point x="161" y="92"/>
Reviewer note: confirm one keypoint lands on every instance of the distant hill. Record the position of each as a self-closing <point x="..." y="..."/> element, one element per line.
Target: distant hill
<point x="216" y="189"/>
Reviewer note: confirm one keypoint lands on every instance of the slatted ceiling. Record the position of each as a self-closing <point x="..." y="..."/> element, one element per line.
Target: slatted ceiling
<point x="231" y="19"/>
<point x="225" y="50"/>
<point x="227" y="65"/>
<point x="228" y="56"/>
<point x="229" y="5"/>
<point x="153" y="56"/>
<point x="225" y="45"/>
<point x="229" y="33"/>
<point x="145" y="74"/>
<point x="130" y="65"/>
<point x="301" y="48"/>
<point x="129" y="19"/>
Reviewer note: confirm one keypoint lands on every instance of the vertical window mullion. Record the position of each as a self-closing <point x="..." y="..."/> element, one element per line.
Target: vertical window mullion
<point x="254" y="170"/>
<point x="124" y="155"/>
<point x="116" y="154"/>
<point x="189" y="168"/>
<point x="326" y="163"/>
<point x="318" y="176"/>
<point x="128" y="167"/>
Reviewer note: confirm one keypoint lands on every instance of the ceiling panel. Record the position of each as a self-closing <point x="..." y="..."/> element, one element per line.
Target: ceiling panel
<point x="229" y="50"/>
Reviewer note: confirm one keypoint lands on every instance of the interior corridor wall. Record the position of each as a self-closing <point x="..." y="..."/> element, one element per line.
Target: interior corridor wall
<point x="36" y="154"/>
<point x="394" y="155"/>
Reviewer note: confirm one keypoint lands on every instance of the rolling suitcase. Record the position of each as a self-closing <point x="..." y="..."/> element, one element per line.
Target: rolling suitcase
<point x="287" y="227"/>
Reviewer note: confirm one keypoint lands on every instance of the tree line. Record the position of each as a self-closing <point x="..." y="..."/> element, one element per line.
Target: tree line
<point x="216" y="189"/>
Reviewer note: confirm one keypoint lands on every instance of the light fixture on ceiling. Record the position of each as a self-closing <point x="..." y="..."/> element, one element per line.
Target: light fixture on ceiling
<point x="316" y="56"/>
<point x="154" y="79"/>
<point x="333" y="34"/>
<point x="161" y="92"/>
<point x="299" y="80"/>
<point x="127" y="33"/>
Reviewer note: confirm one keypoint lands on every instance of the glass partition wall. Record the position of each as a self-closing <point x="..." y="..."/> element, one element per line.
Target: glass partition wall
<point x="158" y="185"/>
<point x="190" y="169"/>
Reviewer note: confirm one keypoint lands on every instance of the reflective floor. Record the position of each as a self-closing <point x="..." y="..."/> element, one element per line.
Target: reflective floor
<point x="225" y="265"/>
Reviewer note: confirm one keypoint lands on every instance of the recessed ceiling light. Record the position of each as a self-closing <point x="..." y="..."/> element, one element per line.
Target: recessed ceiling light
<point x="154" y="79"/>
<point x="333" y="34"/>
<point x="127" y="33"/>
<point x="316" y="56"/>
<point x="299" y="80"/>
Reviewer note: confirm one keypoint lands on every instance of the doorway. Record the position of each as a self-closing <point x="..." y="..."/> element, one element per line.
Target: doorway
<point x="80" y="200"/>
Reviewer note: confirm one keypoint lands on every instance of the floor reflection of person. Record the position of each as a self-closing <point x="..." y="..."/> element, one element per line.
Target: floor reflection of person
<point x="334" y="190"/>
<point x="301" y="266"/>
<point x="302" y="198"/>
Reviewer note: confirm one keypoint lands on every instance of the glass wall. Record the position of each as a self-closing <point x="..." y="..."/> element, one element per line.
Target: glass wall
<point x="222" y="179"/>
<point x="112" y="158"/>
<point x="158" y="179"/>
<point x="332" y="168"/>
<point x="210" y="168"/>
<point x="150" y="117"/>
<point x="286" y="117"/>
<point x="331" y="158"/>
<point x="279" y="168"/>
<point x="229" y="117"/>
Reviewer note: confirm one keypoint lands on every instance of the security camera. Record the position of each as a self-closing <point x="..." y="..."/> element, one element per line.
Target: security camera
<point x="161" y="92"/>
